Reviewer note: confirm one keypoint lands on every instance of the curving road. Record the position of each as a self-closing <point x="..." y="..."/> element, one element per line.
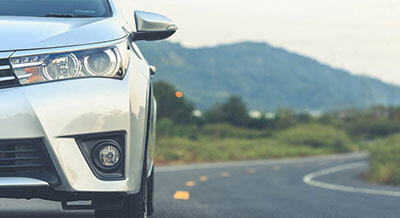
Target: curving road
<point x="306" y="187"/>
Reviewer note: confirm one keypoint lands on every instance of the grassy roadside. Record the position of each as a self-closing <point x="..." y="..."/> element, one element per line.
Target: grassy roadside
<point x="384" y="161"/>
<point x="222" y="142"/>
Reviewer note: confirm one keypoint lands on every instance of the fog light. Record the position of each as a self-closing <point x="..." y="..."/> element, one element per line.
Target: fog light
<point x="107" y="155"/>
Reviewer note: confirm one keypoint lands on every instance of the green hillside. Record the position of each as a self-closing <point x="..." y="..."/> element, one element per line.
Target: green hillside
<point x="266" y="77"/>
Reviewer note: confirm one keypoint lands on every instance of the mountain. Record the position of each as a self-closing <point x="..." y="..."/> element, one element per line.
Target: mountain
<point x="266" y="77"/>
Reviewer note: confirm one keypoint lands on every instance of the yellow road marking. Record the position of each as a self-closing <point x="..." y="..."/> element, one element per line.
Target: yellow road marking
<point x="225" y="174"/>
<point x="182" y="195"/>
<point x="203" y="178"/>
<point x="190" y="183"/>
<point x="251" y="171"/>
<point x="276" y="168"/>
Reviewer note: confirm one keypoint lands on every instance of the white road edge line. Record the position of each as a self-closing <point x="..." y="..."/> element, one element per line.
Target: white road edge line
<point x="351" y="156"/>
<point x="309" y="179"/>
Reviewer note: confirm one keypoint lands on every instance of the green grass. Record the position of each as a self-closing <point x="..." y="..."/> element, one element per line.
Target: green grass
<point x="226" y="143"/>
<point x="385" y="161"/>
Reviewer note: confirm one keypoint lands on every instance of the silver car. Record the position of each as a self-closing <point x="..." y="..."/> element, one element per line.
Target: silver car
<point x="77" y="111"/>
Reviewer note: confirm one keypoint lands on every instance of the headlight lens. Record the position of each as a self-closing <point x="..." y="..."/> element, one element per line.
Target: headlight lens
<point x="61" y="67"/>
<point x="99" y="62"/>
<point x="102" y="63"/>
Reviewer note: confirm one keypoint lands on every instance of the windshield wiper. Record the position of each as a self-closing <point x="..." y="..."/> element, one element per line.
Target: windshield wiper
<point x="67" y="15"/>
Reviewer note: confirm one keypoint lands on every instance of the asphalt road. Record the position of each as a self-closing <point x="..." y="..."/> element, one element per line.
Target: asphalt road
<point x="310" y="187"/>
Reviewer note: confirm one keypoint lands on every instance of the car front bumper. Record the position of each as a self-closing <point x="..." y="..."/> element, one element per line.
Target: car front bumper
<point x="58" y="111"/>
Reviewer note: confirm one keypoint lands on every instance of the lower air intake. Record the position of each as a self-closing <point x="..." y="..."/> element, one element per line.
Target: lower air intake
<point x="27" y="158"/>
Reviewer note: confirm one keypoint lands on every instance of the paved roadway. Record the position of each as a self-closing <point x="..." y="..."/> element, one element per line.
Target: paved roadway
<point x="310" y="187"/>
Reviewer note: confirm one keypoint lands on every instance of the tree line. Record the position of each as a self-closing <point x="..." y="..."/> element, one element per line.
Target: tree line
<point x="377" y="121"/>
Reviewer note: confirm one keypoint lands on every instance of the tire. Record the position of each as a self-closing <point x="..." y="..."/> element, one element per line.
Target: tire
<point x="150" y="194"/>
<point x="135" y="206"/>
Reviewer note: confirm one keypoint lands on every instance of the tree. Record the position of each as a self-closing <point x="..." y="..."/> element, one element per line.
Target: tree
<point x="285" y="118"/>
<point x="233" y="111"/>
<point x="171" y="106"/>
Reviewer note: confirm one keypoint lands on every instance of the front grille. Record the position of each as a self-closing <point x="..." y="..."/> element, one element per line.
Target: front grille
<point x="26" y="158"/>
<point x="7" y="78"/>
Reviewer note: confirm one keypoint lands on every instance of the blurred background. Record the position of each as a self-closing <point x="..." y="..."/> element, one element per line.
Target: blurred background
<point x="272" y="79"/>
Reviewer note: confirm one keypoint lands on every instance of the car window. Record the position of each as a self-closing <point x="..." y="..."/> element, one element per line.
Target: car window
<point x="40" y="8"/>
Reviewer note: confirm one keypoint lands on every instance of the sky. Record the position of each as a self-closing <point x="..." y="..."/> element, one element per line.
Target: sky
<point x="362" y="36"/>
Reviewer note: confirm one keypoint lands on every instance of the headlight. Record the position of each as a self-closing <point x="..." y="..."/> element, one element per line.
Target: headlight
<point x="110" y="62"/>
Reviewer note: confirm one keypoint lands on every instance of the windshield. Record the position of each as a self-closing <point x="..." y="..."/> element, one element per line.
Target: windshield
<point x="49" y="8"/>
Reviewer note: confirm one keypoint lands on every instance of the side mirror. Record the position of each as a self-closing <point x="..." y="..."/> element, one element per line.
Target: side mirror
<point x="151" y="26"/>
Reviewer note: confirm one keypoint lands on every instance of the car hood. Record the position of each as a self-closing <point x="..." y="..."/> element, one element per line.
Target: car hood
<point x="22" y="33"/>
